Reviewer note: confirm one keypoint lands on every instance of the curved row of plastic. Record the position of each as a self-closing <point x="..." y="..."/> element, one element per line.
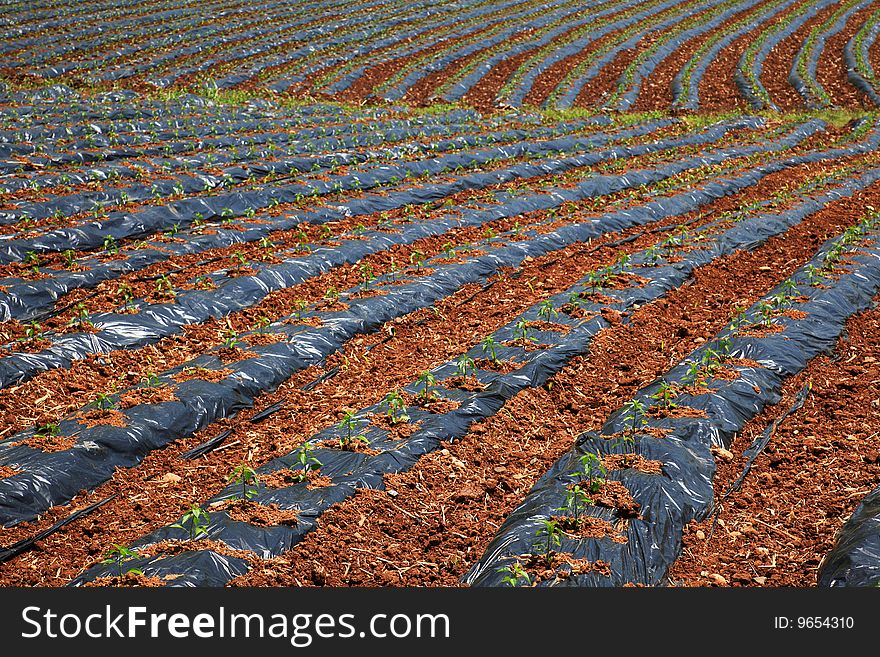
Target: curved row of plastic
<point x="349" y="470"/>
<point x="642" y="551"/>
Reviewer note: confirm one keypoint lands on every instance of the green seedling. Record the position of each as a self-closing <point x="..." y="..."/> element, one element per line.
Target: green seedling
<point x="33" y="261"/>
<point x="740" y="319"/>
<point x="634" y="416"/>
<point x="69" y="256"/>
<point x="245" y="477"/>
<point x="515" y="574"/>
<point x="592" y="471"/>
<point x="710" y="361"/>
<point x="230" y="338"/>
<point x="546" y="310"/>
<point x="814" y="275"/>
<point x="349" y="424"/>
<point x="552" y="534"/>
<point x="331" y="295"/>
<point x="125" y="293"/>
<point x="417" y="258"/>
<point x="47" y="430"/>
<point x="238" y="259"/>
<point x="196" y="520"/>
<point x="448" y="251"/>
<point x="116" y="555"/>
<point x="110" y="245"/>
<point x="32" y="331"/>
<point x="81" y="314"/>
<point x="694" y="374"/>
<point x="427" y="379"/>
<point x="576" y="500"/>
<point x="465" y="366"/>
<point x="164" y="287"/>
<point x="653" y="255"/>
<point x="152" y="380"/>
<point x="765" y="313"/>
<point x="102" y="402"/>
<point x="396" y="407"/>
<point x="789" y="289"/>
<point x="261" y="324"/>
<point x="268" y="247"/>
<point x="488" y="346"/>
<point x="665" y="395"/>
<point x="367" y="276"/>
<point x="299" y="307"/>
<point x="522" y="332"/>
<point x="307" y="462"/>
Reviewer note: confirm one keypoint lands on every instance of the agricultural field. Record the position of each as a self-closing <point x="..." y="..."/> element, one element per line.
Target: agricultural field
<point x="456" y="293"/>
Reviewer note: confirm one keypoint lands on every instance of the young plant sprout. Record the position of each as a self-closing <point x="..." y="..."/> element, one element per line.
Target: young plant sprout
<point x="116" y="555"/>
<point x="653" y="255"/>
<point x="33" y="260"/>
<point x="245" y="477"/>
<point x="367" y="276"/>
<point x="69" y="256"/>
<point x="488" y="346"/>
<point x="102" y="402"/>
<point x="739" y="320"/>
<point x="164" y="288"/>
<point x="634" y="416"/>
<point x="417" y="258"/>
<point x="396" y="407"/>
<point x="789" y="289"/>
<point x="546" y="310"/>
<point x="522" y="332"/>
<point x="262" y="324"/>
<point x="230" y="338"/>
<point x="552" y="535"/>
<point x="81" y="315"/>
<point x="593" y="471"/>
<point x="576" y="500"/>
<point x="48" y="429"/>
<point x="710" y="361"/>
<point x="765" y="313"/>
<point x="465" y="365"/>
<point x="814" y="275"/>
<point x="268" y="247"/>
<point x="427" y="379"/>
<point x="110" y="245"/>
<point x="349" y="424"/>
<point x="307" y="462"/>
<point x="126" y="294"/>
<point x="152" y="380"/>
<point x="448" y="251"/>
<point x="299" y="307"/>
<point x="331" y="295"/>
<point x="694" y="373"/>
<point x="515" y="574"/>
<point x="665" y="395"/>
<point x="196" y="520"/>
<point x="32" y="331"/>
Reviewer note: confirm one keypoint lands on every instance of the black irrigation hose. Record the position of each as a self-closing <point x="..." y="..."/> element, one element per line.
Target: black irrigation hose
<point x="207" y="446"/>
<point x="757" y="447"/>
<point x="26" y="544"/>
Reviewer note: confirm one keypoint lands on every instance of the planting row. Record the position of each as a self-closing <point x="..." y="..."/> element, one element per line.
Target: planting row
<point x="488" y="53"/>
